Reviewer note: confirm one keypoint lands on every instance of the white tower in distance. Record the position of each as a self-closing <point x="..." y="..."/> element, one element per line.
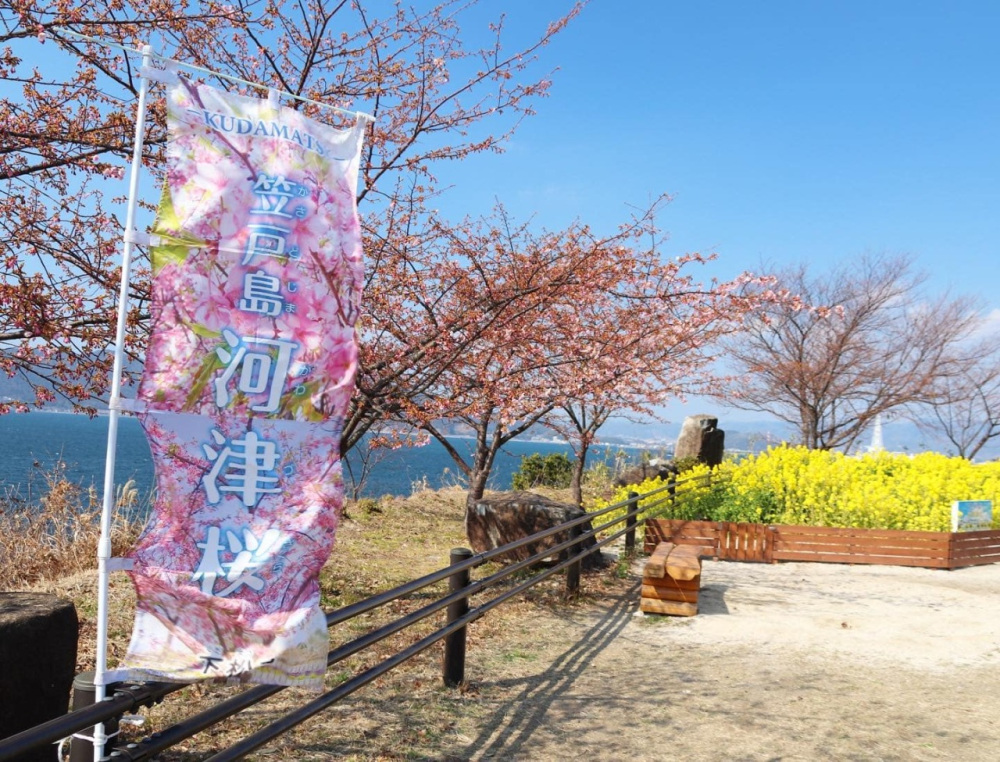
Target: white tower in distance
<point x="876" y="445"/>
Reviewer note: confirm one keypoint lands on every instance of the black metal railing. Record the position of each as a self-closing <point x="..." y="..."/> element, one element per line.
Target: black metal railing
<point x="128" y="698"/>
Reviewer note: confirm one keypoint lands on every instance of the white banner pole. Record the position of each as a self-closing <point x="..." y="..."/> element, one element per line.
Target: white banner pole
<point x="114" y="412"/>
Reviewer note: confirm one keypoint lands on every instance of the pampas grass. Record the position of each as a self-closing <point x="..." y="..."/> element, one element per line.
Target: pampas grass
<point x="58" y="536"/>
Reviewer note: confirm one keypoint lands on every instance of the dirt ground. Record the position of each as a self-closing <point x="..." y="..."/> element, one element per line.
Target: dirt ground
<point x="783" y="662"/>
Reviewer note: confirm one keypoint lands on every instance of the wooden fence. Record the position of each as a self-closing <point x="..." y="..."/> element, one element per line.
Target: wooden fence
<point x="732" y="541"/>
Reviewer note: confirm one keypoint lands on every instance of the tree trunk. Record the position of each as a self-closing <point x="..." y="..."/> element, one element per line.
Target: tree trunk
<point x="578" y="469"/>
<point x="477" y="484"/>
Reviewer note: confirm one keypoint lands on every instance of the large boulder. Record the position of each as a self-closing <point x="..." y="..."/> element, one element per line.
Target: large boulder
<point x="663" y="469"/>
<point x="38" y="638"/>
<point x="701" y="438"/>
<point x="502" y="518"/>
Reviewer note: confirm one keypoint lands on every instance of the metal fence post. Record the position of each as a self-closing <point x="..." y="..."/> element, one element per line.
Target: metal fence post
<point x="630" y="522"/>
<point x="573" y="570"/>
<point x="82" y="748"/>
<point x="454" y="644"/>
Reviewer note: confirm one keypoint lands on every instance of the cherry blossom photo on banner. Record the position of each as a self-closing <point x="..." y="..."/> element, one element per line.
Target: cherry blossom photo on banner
<point x="248" y="376"/>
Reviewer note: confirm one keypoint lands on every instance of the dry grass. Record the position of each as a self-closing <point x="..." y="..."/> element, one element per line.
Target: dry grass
<point x="405" y="714"/>
<point x="58" y="537"/>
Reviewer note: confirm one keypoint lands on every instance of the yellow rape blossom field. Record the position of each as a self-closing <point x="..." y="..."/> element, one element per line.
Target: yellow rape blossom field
<point x="794" y="485"/>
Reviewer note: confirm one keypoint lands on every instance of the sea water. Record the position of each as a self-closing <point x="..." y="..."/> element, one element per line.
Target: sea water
<point x="35" y="443"/>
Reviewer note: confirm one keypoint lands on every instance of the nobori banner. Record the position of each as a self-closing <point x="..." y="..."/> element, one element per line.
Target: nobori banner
<point x="260" y="128"/>
<point x="250" y="367"/>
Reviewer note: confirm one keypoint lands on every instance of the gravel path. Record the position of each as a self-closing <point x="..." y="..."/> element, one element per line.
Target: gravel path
<point x="784" y="662"/>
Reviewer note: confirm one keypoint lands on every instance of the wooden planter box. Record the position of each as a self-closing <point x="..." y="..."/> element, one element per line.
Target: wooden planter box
<point x="736" y="541"/>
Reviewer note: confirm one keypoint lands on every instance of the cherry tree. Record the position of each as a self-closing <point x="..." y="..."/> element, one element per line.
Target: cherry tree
<point x="68" y="129"/>
<point x="515" y="326"/>
<point x="498" y="304"/>
<point x="649" y="333"/>
<point x="965" y="407"/>
<point x="884" y="345"/>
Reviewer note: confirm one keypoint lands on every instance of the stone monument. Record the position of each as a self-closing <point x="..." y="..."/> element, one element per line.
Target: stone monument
<point x="701" y="438"/>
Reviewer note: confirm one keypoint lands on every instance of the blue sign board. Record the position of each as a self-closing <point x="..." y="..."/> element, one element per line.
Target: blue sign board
<point x="971" y="515"/>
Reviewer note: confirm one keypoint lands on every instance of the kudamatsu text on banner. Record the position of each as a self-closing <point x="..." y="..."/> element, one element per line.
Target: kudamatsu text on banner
<point x="257" y="277"/>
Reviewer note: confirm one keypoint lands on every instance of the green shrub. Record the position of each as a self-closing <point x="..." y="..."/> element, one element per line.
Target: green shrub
<point x="553" y="470"/>
<point x="684" y="465"/>
<point x="368" y="506"/>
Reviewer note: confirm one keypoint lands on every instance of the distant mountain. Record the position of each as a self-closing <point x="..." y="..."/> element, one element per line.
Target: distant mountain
<point x="754" y="436"/>
<point x="18" y="389"/>
<point x="740" y="435"/>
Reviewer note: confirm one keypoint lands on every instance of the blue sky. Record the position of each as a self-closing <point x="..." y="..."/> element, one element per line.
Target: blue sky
<point x="785" y="131"/>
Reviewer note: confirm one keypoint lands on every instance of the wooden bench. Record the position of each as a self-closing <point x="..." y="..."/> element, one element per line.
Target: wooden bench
<point x="671" y="580"/>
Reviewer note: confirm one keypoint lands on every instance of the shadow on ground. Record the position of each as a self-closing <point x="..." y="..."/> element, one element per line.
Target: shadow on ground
<point x="712" y="600"/>
<point x="514" y="720"/>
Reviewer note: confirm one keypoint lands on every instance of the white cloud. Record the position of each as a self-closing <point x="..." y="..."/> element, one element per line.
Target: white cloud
<point x="989" y="325"/>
